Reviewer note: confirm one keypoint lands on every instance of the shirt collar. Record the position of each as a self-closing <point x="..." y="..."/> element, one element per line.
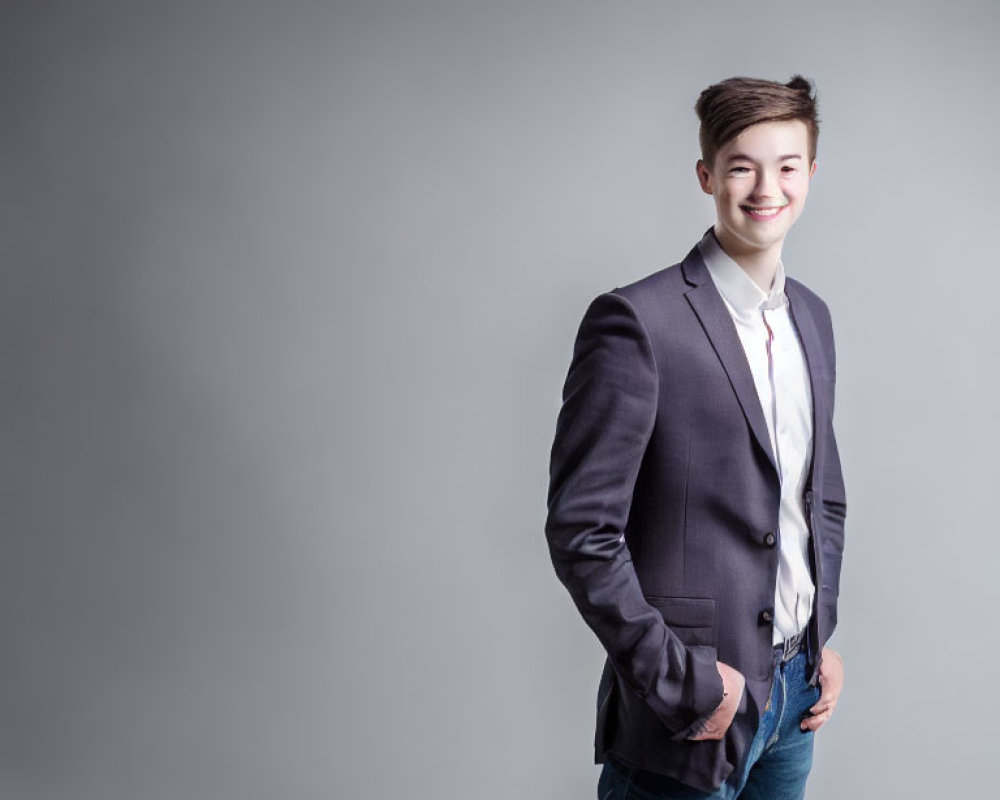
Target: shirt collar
<point x="736" y="287"/>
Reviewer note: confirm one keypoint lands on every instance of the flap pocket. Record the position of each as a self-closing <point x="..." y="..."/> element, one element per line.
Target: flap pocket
<point x="691" y="618"/>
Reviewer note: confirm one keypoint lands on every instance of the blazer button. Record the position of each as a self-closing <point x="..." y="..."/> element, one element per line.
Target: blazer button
<point x="770" y="539"/>
<point x="766" y="617"/>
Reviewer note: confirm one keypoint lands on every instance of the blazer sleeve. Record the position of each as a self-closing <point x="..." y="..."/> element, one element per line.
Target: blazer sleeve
<point x="607" y="416"/>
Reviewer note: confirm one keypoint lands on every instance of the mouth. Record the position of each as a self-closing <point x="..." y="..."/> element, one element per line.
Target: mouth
<point x="763" y="213"/>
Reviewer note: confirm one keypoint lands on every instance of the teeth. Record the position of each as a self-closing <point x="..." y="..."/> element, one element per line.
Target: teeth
<point x="764" y="212"/>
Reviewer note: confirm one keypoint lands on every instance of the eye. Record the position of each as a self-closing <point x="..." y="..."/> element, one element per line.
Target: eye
<point x="788" y="170"/>
<point x="739" y="170"/>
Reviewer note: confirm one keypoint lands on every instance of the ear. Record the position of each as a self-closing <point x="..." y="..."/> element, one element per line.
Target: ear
<point x="704" y="176"/>
<point x="812" y="168"/>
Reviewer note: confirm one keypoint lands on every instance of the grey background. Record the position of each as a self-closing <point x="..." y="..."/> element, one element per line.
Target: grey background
<point x="288" y="295"/>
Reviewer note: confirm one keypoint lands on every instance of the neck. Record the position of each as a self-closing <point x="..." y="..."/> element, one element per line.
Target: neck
<point x="759" y="265"/>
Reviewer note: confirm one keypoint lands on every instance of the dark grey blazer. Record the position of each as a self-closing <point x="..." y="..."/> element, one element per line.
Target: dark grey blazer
<point x="663" y="490"/>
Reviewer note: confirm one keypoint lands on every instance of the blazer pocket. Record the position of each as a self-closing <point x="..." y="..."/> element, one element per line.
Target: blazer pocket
<point x="692" y="619"/>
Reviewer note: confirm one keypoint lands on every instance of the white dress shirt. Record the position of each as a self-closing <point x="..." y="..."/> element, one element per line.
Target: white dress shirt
<point x="780" y="374"/>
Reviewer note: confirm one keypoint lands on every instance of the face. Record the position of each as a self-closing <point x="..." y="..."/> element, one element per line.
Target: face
<point x="759" y="182"/>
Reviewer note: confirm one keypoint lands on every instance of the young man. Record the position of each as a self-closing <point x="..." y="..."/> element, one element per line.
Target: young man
<point x="696" y="504"/>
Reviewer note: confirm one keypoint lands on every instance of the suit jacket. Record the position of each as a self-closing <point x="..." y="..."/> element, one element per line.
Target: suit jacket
<point x="663" y="489"/>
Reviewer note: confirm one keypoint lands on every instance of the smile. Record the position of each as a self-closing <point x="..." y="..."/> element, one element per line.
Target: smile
<point x="763" y="212"/>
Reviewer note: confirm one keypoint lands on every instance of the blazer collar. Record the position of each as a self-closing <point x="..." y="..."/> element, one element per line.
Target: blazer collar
<point x="711" y="310"/>
<point x="744" y="297"/>
<point x="693" y="266"/>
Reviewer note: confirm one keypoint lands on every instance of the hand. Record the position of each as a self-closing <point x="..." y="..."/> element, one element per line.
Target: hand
<point x="831" y="681"/>
<point x="716" y="725"/>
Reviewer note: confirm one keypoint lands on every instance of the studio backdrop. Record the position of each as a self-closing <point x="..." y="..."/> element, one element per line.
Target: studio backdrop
<point x="287" y="295"/>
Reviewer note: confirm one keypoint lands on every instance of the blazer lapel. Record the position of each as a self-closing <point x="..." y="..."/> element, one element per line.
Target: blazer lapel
<point x="718" y="324"/>
<point x="813" y="349"/>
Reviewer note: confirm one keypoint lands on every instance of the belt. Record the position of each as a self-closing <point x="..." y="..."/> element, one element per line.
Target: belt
<point x="791" y="647"/>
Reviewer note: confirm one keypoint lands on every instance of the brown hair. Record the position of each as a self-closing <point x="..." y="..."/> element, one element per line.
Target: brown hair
<point x="731" y="106"/>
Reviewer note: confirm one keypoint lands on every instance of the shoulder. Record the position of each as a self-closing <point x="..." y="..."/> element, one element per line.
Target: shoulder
<point x="657" y="297"/>
<point x="664" y="281"/>
<point x="651" y="297"/>
<point x="634" y="311"/>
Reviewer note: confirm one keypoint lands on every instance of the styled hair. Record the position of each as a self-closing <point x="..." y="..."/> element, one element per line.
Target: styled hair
<point x="731" y="106"/>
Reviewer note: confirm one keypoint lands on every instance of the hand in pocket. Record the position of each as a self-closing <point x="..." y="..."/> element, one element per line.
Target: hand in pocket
<point x="714" y="726"/>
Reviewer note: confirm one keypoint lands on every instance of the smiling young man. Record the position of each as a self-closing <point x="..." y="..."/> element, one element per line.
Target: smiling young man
<point x="696" y="503"/>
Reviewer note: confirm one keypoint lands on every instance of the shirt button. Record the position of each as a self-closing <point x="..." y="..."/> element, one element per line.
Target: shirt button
<point x="766" y="617"/>
<point x="770" y="539"/>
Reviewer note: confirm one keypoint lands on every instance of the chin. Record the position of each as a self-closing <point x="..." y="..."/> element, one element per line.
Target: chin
<point x="757" y="234"/>
<point x="763" y="233"/>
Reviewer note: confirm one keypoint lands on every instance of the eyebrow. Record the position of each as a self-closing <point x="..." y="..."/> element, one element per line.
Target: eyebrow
<point x="742" y="157"/>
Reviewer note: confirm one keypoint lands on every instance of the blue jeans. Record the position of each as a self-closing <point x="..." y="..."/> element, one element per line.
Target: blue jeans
<point x="778" y="763"/>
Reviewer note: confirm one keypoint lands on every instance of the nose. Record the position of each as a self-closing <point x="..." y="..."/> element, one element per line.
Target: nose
<point x="766" y="187"/>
